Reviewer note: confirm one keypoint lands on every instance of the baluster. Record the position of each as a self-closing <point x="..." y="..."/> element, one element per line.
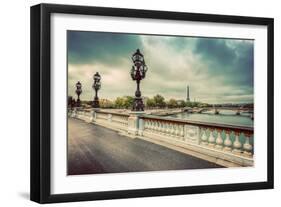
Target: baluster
<point x="237" y="144"/>
<point x="172" y="130"/>
<point x="152" y="125"/>
<point x="147" y="124"/>
<point x="247" y="146"/>
<point x="182" y="130"/>
<point x="164" y="127"/>
<point x="219" y="140"/>
<point x="211" y="139"/>
<point x="179" y="130"/>
<point x="157" y="126"/>
<point x="176" y="130"/>
<point x="167" y="128"/>
<point x="161" y="127"/>
<point x="204" y="137"/>
<point x="227" y="142"/>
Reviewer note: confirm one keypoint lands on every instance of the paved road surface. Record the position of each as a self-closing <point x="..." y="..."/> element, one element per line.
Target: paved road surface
<point x="95" y="149"/>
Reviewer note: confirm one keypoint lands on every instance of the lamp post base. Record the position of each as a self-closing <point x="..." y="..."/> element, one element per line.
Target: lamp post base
<point x="138" y="104"/>
<point x="96" y="104"/>
<point x="78" y="103"/>
<point x="134" y="123"/>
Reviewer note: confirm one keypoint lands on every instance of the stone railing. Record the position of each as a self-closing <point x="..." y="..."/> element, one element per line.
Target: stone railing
<point x="110" y="120"/>
<point x="224" y="144"/>
<point x="79" y="113"/>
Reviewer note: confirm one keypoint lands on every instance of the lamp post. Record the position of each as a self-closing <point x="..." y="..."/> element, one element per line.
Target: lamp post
<point x="138" y="72"/>
<point x="96" y="87"/>
<point x="78" y="92"/>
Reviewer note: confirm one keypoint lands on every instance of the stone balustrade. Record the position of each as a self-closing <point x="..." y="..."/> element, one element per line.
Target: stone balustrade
<point x="111" y="120"/>
<point x="233" y="144"/>
<point x="83" y="114"/>
<point x="223" y="144"/>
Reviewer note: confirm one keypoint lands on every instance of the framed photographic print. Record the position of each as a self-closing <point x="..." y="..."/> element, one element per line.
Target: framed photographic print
<point x="132" y="103"/>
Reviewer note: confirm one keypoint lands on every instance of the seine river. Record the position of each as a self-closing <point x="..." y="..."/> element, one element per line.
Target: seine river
<point x="225" y="117"/>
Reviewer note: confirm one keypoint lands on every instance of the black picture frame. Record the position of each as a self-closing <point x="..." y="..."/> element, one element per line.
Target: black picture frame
<point x="41" y="104"/>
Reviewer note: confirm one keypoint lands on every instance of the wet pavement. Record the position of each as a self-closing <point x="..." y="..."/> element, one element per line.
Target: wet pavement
<point x="96" y="149"/>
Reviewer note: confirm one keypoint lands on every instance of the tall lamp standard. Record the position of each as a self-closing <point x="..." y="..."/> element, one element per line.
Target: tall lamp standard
<point x="96" y="87"/>
<point x="78" y="92"/>
<point x="138" y="72"/>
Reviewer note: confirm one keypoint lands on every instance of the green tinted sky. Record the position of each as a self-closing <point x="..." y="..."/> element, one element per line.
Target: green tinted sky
<point x="217" y="70"/>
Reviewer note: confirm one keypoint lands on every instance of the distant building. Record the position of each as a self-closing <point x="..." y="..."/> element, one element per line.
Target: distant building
<point x="187" y="94"/>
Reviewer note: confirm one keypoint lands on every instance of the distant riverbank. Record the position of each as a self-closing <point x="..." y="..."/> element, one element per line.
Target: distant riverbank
<point x="240" y="120"/>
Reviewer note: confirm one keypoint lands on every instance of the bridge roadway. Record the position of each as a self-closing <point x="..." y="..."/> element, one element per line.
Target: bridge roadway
<point x="96" y="149"/>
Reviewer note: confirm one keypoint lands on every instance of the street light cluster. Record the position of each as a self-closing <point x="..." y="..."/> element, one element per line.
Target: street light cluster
<point x="138" y="72"/>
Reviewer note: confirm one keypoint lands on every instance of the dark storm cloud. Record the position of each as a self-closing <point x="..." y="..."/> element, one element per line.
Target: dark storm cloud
<point x="88" y="47"/>
<point x="230" y="58"/>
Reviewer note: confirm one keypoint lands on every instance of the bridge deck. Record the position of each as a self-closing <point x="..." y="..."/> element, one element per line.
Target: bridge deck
<point x="95" y="149"/>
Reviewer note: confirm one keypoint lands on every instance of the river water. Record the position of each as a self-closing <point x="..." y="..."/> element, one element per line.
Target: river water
<point x="225" y="117"/>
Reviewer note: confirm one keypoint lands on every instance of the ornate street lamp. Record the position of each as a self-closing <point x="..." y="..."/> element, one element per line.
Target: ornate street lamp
<point x="138" y="72"/>
<point x="78" y="92"/>
<point x="96" y="87"/>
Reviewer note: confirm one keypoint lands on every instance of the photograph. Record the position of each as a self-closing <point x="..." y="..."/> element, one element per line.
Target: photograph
<point x="154" y="102"/>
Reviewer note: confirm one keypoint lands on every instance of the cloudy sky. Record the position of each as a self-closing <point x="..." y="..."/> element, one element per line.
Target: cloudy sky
<point x="216" y="70"/>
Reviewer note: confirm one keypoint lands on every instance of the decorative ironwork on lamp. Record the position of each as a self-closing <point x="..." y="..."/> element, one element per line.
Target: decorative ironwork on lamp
<point x="96" y="86"/>
<point x="138" y="72"/>
<point x="78" y="92"/>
